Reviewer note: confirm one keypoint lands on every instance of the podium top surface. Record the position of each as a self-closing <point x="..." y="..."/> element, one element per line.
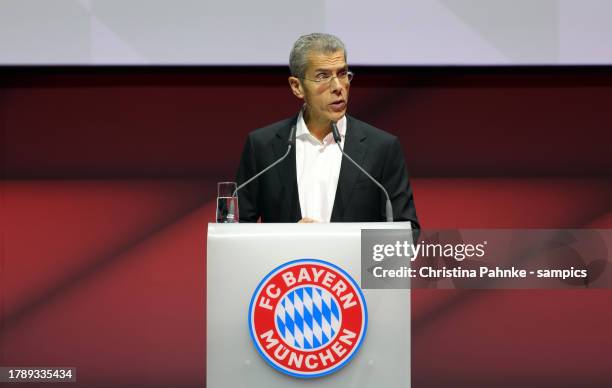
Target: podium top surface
<point x="295" y="228"/>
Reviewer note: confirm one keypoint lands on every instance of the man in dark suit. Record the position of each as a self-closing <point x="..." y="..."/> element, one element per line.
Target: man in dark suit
<point x="314" y="183"/>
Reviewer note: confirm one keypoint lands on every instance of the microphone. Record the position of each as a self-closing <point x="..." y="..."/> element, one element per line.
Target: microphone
<point x="290" y="144"/>
<point x="389" y="208"/>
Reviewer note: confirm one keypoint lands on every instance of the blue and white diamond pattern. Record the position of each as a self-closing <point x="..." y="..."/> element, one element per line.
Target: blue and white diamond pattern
<point x="308" y="317"/>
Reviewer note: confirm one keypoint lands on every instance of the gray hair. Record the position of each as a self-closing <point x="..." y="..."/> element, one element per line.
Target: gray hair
<point x="306" y="44"/>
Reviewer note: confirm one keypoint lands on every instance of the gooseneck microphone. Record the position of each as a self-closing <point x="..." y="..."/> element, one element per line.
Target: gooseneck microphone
<point x="290" y="144"/>
<point x="389" y="208"/>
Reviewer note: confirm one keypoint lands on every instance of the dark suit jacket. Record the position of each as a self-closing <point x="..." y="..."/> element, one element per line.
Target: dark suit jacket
<point x="274" y="196"/>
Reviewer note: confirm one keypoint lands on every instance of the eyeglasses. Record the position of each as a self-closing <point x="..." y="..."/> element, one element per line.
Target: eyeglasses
<point x="325" y="79"/>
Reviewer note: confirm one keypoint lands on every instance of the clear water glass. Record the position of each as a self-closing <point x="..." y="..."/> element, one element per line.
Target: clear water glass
<point x="227" y="203"/>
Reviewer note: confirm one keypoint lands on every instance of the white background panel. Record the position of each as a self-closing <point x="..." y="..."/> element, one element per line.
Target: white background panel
<point x="241" y="32"/>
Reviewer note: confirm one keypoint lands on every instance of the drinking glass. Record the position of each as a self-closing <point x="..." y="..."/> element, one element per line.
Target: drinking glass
<point x="227" y="203"/>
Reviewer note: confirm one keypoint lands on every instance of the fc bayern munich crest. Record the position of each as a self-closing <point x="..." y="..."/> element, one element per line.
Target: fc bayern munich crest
<point x="308" y="318"/>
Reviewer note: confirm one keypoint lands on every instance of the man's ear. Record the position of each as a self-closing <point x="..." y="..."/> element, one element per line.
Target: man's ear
<point x="296" y="87"/>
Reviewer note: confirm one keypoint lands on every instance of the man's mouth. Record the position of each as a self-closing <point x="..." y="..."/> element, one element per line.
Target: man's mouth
<point x="338" y="105"/>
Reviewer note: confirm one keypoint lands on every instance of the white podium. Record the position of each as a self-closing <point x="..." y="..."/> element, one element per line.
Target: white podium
<point x="240" y="255"/>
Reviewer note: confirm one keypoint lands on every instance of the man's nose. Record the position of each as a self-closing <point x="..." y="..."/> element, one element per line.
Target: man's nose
<point x="335" y="85"/>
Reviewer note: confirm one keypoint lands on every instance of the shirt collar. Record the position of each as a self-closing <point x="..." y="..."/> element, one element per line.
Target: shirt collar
<point x="302" y="130"/>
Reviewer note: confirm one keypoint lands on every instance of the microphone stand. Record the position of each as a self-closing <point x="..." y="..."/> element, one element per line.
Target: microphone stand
<point x="388" y="207"/>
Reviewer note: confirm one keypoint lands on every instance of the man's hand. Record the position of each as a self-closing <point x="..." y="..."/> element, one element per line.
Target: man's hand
<point x="307" y="220"/>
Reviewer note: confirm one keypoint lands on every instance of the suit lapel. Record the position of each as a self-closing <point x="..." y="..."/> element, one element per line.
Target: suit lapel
<point x="290" y="202"/>
<point x="355" y="147"/>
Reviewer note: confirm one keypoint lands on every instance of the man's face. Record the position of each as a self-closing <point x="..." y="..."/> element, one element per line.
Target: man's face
<point x="327" y="100"/>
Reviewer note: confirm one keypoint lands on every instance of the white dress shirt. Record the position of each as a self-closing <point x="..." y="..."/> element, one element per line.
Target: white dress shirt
<point x="318" y="169"/>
